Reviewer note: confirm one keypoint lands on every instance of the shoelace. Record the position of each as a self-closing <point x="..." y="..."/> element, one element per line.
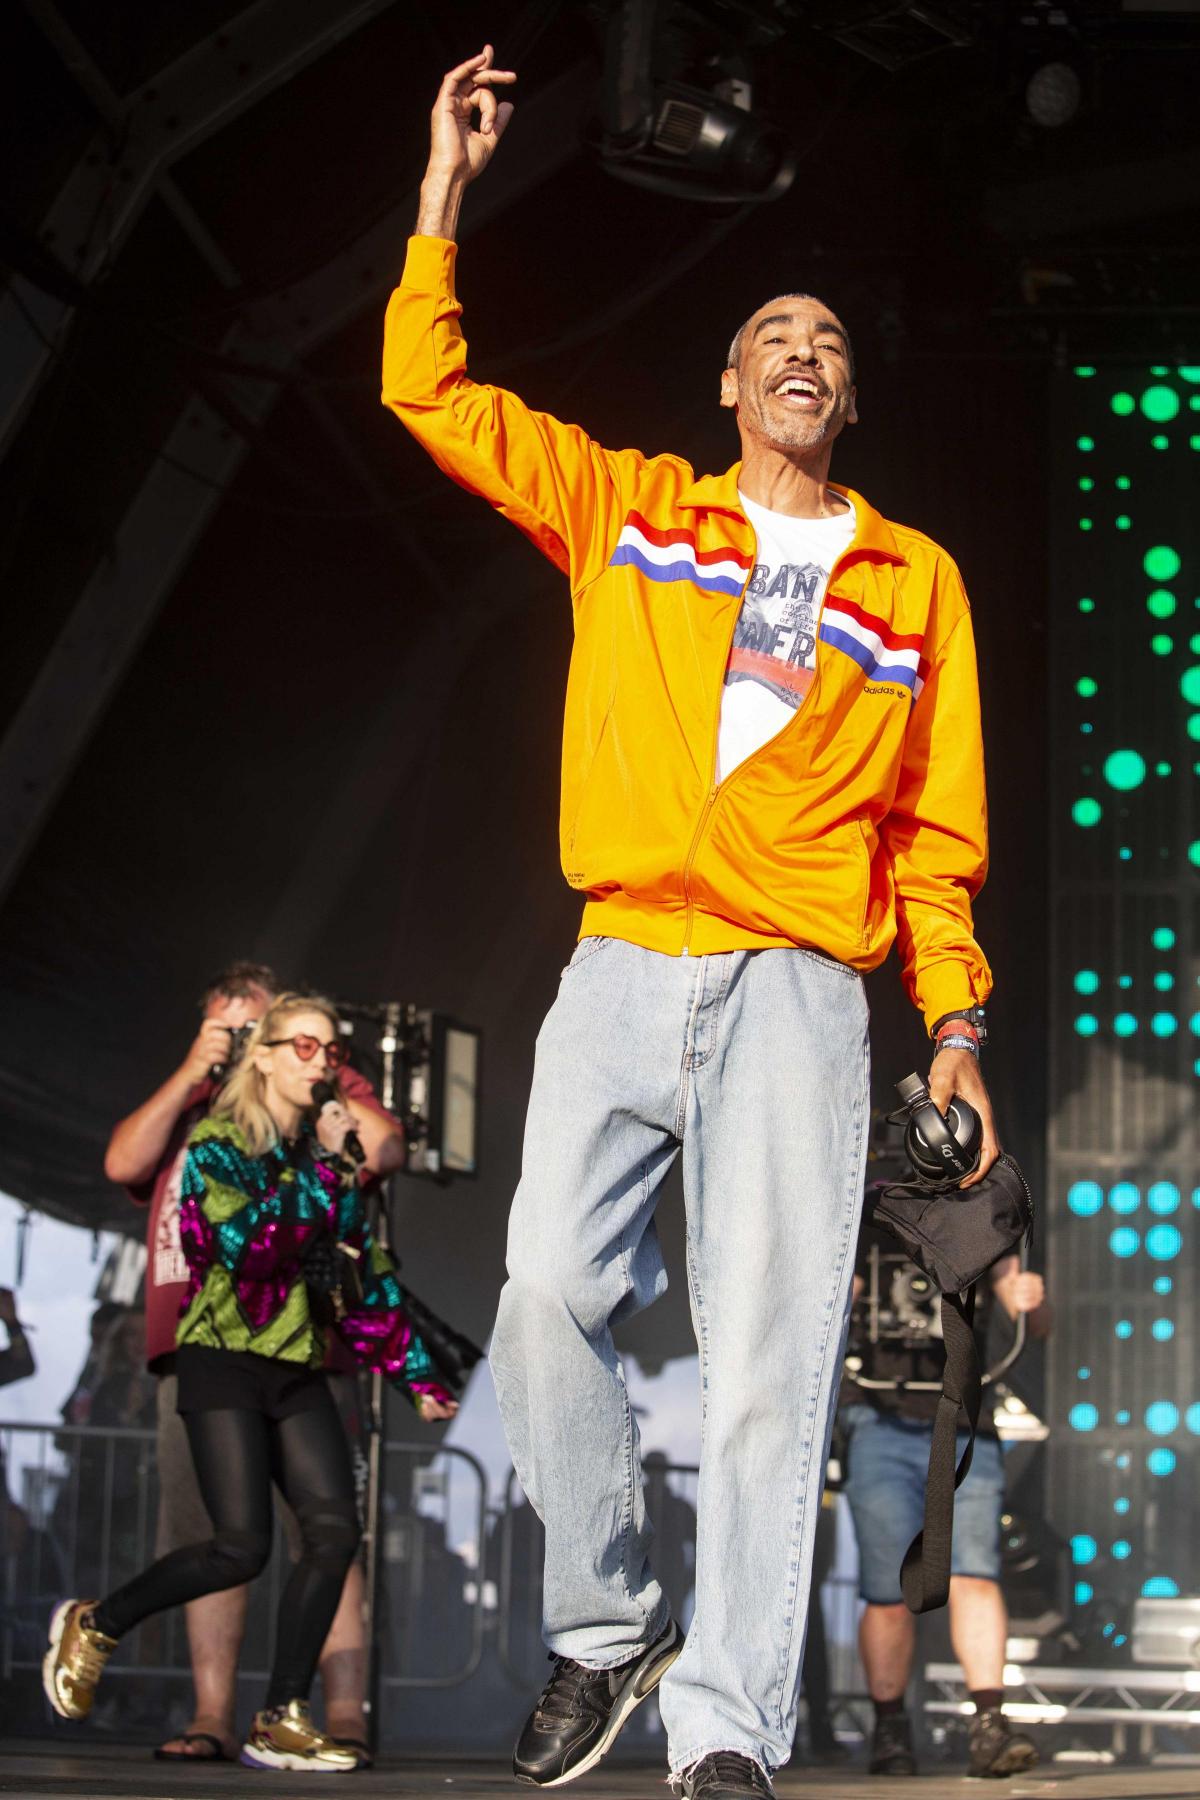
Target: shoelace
<point x="89" y="1659"/>
<point x="726" y="1766"/>
<point x="561" y="1695"/>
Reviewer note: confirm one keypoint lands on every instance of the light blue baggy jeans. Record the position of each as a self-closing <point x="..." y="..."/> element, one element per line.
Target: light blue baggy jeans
<point x="757" y="1063"/>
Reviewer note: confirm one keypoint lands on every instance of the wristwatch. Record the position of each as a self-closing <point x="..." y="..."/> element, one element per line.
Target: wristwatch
<point x="973" y="1015"/>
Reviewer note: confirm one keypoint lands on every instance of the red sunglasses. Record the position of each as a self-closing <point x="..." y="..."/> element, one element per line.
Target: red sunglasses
<point x="306" y="1048"/>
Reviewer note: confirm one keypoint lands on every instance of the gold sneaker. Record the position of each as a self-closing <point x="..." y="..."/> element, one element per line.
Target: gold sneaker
<point x="75" y="1660"/>
<point x="286" y="1738"/>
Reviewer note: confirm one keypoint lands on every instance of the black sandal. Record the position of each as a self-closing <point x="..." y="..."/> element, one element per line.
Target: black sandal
<point x="215" y="1753"/>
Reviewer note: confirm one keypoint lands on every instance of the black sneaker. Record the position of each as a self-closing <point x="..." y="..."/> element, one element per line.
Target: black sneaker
<point x="891" y="1747"/>
<point x="581" y="1710"/>
<point x="996" y="1750"/>
<point x="725" y="1775"/>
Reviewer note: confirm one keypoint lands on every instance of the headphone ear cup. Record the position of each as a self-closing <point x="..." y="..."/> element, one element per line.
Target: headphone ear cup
<point x="967" y="1128"/>
<point x="931" y="1145"/>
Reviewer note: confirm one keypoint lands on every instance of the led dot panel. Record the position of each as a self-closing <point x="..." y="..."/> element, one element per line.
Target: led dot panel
<point x="1123" y="1207"/>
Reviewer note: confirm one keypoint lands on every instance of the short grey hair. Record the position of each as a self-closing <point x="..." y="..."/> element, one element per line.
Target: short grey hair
<point x="734" y="356"/>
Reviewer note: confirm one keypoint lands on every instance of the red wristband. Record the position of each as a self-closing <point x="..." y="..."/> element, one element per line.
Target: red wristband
<point x="957" y="1028"/>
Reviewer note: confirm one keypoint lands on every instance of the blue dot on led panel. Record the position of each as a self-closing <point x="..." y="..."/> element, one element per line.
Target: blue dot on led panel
<point x="1191" y="1418"/>
<point x="1087" y="1025"/>
<point x="1163" y="1242"/>
<point x="1161" y="1462"/>
<point x="1121" y="1506"/>
<point x="1123" y="1459"/>
<point x="1083" y="1592"/>
<point x="1086" y="981"/>
<point x="1084" y="1417"/>
<point x="1160" y="1587"/>
<point x="1162" y="1417"/>
<point x="1125" y="1024"/>
<point x="1164" y="1024"/>
<point x="1124" y="1241"/>
<point x="1085" y="1198"/>
<point x="1121" y="1549"/>
<point x="1163" y="1197"/>
<point x="1162" y="1331"/>
<point x="1084" y="1374"/>
<point x="1163" y="1284"/>
<point x="1123" y="1328"/>
<point x="1124" y="1197"/>
<point x="1083" y="1548"/>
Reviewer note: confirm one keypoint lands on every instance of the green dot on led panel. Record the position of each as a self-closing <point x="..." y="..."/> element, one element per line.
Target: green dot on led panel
<point x="1123" y="521"/>
<point x="1087" y="981"/>
<point x="1159" y="442"/>
<point x="1085" y="524"/>
<point x="1123" y="404"/>
<point x="1160" y="404"/>
<point x="1189" y="372"/>
<point x="1124" y="483"/>
<point x="1162" y="937"/>
<point x="1086" y="484"/>
<point x="1162" y="768"/>
<point x="1194" y="644"/>
<point x="1085" y="444"/>
<point x="1160" y="604"/>
<point x="1083" y="370"/>
<point x="1087" y="606"/>
<point x="1161" y="562"/>
<point x="1161" y="644"/>
<point x="1085" y="687"/>
<point x="1194" y="441"/>
<point x="1189" y="685"/>
<point x="1193" y="727"/>
<point x="1087" y="812"/>
<point x="1124" y="770"/>
<point x="1193" y="855"/>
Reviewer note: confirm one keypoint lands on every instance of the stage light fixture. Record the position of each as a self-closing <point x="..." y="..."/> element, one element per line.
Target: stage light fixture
<point x="1053" y="95"/>
<point x="677" y="108"/>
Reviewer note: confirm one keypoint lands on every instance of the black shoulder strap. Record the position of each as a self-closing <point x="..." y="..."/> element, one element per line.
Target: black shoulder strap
<point x="925" y="1573"/>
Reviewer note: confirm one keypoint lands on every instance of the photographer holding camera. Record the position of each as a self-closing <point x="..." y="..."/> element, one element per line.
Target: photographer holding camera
<point x="146" y="1156"/>
<point x="888" y="1401"/>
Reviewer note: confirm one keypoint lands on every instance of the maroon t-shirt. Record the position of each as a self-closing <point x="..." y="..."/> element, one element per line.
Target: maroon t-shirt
<point x="166" y="1268"/>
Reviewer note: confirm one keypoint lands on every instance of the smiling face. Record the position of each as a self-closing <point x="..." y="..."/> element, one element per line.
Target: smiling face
<point x="288" y="1080"/>
<point x="793" y="381"/>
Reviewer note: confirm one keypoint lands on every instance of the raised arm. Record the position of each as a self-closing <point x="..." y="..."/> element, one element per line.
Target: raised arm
<point x="566" y="493"/>
<point x="139" y="1142"/>
<point x="459" y="150"/>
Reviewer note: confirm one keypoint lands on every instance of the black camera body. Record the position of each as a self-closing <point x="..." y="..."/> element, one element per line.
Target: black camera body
<point x="239" y="1037"/>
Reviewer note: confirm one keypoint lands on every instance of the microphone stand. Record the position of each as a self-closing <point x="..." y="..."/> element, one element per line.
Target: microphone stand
<point x="376" y="1416"/>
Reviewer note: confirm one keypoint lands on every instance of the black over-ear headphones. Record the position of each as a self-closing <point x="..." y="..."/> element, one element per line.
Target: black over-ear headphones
<point x="938" y="1146"/>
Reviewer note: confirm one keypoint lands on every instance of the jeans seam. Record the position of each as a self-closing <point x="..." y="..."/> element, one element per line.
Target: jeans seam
<point x="630" y="1473"/>
<point x="718" y="1003"/>
<point x="802" y="1496"/>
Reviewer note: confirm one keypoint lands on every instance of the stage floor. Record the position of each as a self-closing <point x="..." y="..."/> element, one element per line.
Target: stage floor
<point x="117" y="1774"/>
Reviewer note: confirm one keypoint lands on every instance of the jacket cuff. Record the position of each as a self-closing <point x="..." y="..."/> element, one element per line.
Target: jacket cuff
<point x="429" y="266"/>
<point x="947" y="988"/>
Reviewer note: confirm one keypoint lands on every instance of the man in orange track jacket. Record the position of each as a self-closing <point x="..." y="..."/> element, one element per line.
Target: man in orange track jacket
<point x="772" y="769"/>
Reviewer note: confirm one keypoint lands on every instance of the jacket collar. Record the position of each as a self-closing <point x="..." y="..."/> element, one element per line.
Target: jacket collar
<point x="873" y="535"/>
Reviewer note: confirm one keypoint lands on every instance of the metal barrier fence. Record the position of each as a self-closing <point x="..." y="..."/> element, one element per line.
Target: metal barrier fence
<point x="85" y="1522"/>
<point x="462" y="1581"/>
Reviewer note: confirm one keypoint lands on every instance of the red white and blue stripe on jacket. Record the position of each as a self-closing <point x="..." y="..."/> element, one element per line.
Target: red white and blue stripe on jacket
<point x="882" y="654"/>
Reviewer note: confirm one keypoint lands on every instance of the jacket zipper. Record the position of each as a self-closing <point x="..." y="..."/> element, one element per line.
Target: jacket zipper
<point x="714" y="791"/>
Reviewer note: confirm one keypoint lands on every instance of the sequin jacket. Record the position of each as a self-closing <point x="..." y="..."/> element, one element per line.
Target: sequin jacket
<point x="245" y="1224"/>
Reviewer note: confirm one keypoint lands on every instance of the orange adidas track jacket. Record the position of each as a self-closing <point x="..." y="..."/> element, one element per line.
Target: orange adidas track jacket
<point x="863" y="821"/>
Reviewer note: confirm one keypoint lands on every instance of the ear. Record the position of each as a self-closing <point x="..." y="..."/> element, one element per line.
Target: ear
<point x="729" y="387"/>
<point x="852" y="415"/>
<point x="262" y="1060"/>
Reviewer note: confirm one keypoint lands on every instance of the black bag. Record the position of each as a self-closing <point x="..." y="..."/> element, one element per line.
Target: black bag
<point x="955" y="1235"/>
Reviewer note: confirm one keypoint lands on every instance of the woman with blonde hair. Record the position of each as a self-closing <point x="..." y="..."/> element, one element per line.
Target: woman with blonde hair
<point x="277" y="1241"/>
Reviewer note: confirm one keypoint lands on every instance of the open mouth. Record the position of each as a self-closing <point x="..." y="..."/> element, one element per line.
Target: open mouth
<point x="799" y="391"/>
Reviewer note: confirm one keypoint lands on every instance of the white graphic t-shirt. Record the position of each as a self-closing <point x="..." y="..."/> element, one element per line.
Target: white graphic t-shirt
<point x="774" y="654"/>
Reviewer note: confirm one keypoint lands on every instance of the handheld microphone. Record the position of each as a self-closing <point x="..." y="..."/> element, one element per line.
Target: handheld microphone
<point x="324" y="1094"/>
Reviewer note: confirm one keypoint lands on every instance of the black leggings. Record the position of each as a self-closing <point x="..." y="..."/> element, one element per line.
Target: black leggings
<point x="237" y="1455"/>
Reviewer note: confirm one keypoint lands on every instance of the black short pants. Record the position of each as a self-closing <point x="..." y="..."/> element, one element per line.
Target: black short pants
<point x="214" y="1380"/>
